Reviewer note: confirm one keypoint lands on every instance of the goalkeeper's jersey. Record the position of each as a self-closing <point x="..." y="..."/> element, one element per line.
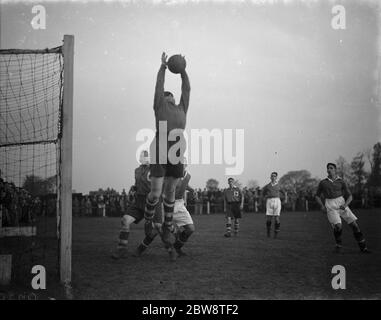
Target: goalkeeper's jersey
<point x="174" y="115"/>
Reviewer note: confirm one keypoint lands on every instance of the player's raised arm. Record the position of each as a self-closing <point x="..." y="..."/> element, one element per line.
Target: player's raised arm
<point x="159" y="88"/>
<point x="185" y="90"/>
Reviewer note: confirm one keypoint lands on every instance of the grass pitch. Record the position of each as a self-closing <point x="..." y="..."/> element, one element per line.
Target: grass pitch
<point x="296" y="265"/>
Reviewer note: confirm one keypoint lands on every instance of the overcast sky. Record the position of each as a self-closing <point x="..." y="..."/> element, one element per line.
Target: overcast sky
<point x="303" y="92"/>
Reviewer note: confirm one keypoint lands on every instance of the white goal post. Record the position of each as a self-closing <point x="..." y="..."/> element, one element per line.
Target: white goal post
<point x="66" y="161"/>
<point x="64" y="164"/>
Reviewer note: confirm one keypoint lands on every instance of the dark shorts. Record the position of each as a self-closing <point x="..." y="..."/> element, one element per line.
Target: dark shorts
<point x="162" y="166"/>
<point x="136" y="210"/>
<point x="233" y="210"/>
<point x="167" y="170"/>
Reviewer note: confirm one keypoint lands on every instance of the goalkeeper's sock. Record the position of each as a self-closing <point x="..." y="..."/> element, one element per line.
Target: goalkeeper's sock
<point x="149" y="209"/>
<point x="168" y="207"/>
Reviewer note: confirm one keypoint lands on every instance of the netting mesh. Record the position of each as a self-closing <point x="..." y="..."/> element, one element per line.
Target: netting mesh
<point x="31" y="87"/>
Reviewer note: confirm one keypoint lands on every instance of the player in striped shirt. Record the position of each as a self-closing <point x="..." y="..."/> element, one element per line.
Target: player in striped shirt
<point x="271" y="192"/>
<point x="135" y="211"/>
<point x="337" y="197"/>
<point x="233" y="199"/>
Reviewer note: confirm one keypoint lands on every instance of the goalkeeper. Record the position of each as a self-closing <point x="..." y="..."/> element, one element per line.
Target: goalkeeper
<point x="165" y="164"/>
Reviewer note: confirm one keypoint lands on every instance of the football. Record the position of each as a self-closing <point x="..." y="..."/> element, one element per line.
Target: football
<point x="176" y="63"/>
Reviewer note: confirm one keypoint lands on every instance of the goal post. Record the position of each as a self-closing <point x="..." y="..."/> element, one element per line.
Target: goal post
<point x="36" y="152"/>
<point x="66" y="160"/>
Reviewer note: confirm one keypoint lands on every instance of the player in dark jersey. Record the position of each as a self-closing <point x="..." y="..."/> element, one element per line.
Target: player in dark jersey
<point x="182" y="219"/>
<point x="135" y="211"/>
<point x="337" y="197"/>
<point x="271" y="192"/>
<point x="168" y="147"/>
<point x="233" y="199"/>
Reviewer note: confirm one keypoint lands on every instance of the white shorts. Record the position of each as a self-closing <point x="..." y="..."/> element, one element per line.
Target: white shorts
<point x="181" y="216"/>
<point x="334" y="212"/>
<point x="273" y="207"/>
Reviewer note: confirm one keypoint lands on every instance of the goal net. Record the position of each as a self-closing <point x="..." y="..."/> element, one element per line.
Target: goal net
<point x="32" y="163"/>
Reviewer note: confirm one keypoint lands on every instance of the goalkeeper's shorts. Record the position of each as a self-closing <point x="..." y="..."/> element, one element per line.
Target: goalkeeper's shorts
<point x="162" y="165"/>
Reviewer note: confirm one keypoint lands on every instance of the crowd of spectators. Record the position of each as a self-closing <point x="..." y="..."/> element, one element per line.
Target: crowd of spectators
<point x="212" y="201"/>
<point x="102" y="203"/>
<point x="20" y="207"/>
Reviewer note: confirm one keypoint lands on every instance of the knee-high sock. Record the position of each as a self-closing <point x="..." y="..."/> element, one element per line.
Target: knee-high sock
<point x="360" y="239"/>
<point x="123" y="238"/>
<point x="149" y="210"/>
<point x="168" y="208"/>
<point x="124" y="232"/>
<point x="228" y="225"/>
<point x="146" y="242"/>
<point x="337" y="234"/>
<point x="268" y="225"/>
<point x="182" y="237"/>
<point x="236" y="226"/>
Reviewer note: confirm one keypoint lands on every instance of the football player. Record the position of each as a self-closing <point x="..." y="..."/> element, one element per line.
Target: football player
<point x="165" y="165"/>
<point x="234" y="199"/>
<point x="184" y="226"/>
<point x="271" y="192"/>
<point x="337" y="198"/>
<point x="135" y="211"/>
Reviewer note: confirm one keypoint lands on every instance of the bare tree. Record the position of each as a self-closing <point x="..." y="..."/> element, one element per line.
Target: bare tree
<point x="375" y="174"/>
<point x="368" y="154"/>
<point x="359" y="175"/>
<point x="343" y="169"/>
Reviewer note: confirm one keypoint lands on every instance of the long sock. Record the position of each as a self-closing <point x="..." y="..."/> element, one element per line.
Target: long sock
<point x="168" y="221"/>
<point x="268" y="226"/>
<point x="145" y="243"/>
<point x="167" y="228"/>
<point x="360" y="239"/>
<point x="149" y="209"/>
<point x="236" y="226"/>
<point x="181" y="239"/>
<point x="168" y="209"/>
<point x="228" y="227"/>
<point x="124" y="232"/>
<point x="123" y="238"/>
<point x="337" y="234"/>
